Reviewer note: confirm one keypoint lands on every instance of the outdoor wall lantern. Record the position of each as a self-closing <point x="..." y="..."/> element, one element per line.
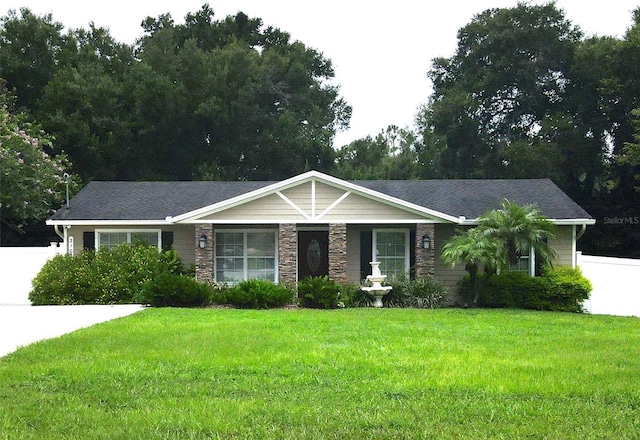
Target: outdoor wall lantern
<point x="426" y="242"/>
<point x="202" y="242"/>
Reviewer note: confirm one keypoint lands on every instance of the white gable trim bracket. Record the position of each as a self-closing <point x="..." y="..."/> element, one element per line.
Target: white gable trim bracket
<point x="313" y="216"/>
<point x="294" y="206"/>
<point x="334" y="204"/>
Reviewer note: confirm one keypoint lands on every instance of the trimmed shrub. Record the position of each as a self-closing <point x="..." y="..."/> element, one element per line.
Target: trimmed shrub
<point x="352" y="295"/>
<point x="513" y="290"/>
<point x="427" y="293"/>
<point x="319" y="293"/>
<point x="254" y="294"/>
<point x="173" y="290"/>
<point x="105" y="277"/>
<point x="415" y="293"/>
<point x="562" y="289"/>
<point x="568" y="288"/>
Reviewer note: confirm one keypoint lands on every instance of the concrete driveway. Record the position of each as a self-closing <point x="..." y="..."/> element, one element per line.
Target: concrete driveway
<point x="23" y="325"/>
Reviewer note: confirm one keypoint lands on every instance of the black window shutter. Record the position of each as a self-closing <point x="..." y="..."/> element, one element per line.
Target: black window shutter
<point x="366" y="250"/>
<point x="167" y="240"/>
<point x="89" y="240"/>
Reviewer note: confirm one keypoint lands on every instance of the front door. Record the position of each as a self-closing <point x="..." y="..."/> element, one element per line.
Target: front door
<point x="313" y="254"/>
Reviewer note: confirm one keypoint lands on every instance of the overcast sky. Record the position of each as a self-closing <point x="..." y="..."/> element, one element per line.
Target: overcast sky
<point x="381" y="50"/>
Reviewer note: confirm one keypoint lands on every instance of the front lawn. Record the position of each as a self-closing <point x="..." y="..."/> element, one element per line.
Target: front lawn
<point x="354" y="373"/>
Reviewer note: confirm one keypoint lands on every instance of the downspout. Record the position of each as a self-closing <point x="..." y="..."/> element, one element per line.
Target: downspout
<point x="56" y="228"/>
<point x="575" y="243"/>
<point x="581" y="233"/>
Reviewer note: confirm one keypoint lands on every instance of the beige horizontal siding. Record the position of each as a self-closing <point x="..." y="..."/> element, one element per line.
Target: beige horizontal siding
<point x="446" y="274"/>
<point x="563" y="245"/>
<point x="270" y="208"/>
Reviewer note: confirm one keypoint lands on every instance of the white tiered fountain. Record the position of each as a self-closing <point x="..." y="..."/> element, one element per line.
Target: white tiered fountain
<point x="376" y="289"/>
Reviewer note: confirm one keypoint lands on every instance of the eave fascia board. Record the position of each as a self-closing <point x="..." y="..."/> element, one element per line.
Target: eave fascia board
<point x="359" y="221"/>
<point x="557" y="222"/>
<point x="108" y="223"/>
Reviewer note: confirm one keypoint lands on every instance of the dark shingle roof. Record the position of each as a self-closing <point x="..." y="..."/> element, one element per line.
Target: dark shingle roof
<point x="468" y="198"/>
<point x="148" y="200"/>
<point x="471" y="198"/>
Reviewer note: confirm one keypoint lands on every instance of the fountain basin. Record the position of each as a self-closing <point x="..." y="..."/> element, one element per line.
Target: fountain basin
<point x="376" y="289"/>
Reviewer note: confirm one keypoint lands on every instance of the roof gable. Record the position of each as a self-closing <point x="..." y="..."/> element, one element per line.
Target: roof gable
<point x="312" y="196"/>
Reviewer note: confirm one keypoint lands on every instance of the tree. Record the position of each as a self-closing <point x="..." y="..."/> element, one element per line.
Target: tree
<point x="32" y="48"/>
<point x="631" y="150"/>
<point x="255" y="105"/>
<point x="32" y="183"/>
<point x="518" y="230"/>
<point x="392" y="154"/>
<point x="509" y="74"/>
<point x="223" y="99"/>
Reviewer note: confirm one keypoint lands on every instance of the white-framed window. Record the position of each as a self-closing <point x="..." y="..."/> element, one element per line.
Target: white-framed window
<point x="110" y="238"/>
<point x="246" y="254"/>
<point x="391" y="249"/>
<point x="525" y="263"/>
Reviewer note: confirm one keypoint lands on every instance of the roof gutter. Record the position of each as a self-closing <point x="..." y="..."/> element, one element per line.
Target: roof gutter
<point x="109" y="223"/>
<point x="558" y="222"/>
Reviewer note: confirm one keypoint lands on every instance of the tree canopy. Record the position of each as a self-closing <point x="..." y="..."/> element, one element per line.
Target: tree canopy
<point x="215" y="99"/>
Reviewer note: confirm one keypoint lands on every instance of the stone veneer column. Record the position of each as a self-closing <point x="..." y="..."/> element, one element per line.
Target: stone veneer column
<point x="425" y="258"/>
<point x="204" y="257"/>
<point x="287" y="254"/>
<point x="338" y="252"/>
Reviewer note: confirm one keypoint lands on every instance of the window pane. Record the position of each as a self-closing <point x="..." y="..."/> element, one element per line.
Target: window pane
<point x="229" y="270"/>
<point x="230" y="244"/>
<point x="234" y="262"/>
<point x="522" y="265"/>
<point x="392" y="267"/>
<point x="391" y="248"/>
<point x="109" y="240"/>
<point x="262" y="268"/>
<point x="261" y="244"/>
<point x="150" y="238"/>
<point x="391" y="244"/>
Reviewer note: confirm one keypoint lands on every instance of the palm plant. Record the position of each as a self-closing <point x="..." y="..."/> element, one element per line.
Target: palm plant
<point x="474" y="249"/>
<point x="518" y="230"/>
<point x="500" y="239"/>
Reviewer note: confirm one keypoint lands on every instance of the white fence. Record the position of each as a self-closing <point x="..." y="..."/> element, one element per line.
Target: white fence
<point x="616" y="285"/>
<point x="616" y="281"/>
<point x="18" y="267"/>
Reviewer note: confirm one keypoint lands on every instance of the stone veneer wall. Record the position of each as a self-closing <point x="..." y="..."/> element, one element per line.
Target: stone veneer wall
<point x="287" y="254"/>
<point x="425" y="258"/>
<point x="204" y="257"/>
<point x="338" y="252"/>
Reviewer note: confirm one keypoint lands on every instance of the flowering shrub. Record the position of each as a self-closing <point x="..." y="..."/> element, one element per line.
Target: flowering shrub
<point x="32" y="182"/>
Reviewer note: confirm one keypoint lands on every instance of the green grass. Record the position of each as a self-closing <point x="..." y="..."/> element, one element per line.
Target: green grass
<point x="356" y="373"/>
